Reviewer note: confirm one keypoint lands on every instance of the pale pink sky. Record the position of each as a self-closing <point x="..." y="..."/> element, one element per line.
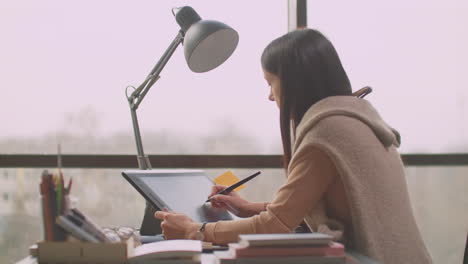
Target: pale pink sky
<point x="61" y="57"/>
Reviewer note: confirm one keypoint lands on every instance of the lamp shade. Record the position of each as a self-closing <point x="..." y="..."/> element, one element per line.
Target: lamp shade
<point x="207" y="43"/>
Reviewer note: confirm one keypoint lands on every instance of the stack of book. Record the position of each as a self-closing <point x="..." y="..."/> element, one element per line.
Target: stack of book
<point x="307" y="248"/>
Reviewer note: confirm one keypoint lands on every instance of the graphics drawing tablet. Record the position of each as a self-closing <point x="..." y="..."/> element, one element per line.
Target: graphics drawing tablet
<point x="181" y="191"/>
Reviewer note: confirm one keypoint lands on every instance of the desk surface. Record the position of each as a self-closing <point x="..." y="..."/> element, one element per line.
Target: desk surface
<point x="208" y="258"/>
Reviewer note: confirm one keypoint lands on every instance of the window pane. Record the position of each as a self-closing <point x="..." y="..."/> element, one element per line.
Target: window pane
<point x="413" y="53"/>
<point x="103" y="195"/>
<point x="440" y="203"/>
<point x="438" y="197"/>
<point x="65" y="67"/>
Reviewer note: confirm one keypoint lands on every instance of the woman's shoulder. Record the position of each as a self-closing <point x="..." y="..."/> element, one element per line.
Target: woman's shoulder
<point x="344" y="119"/>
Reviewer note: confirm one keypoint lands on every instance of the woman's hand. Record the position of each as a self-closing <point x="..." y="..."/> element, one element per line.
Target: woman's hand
<point x="177" y="226"/>
<point x="232" y="202"/>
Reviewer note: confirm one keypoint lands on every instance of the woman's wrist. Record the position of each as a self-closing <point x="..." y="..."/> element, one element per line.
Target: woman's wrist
<point x="256" y="208"/>
<point x="192" y="230"/>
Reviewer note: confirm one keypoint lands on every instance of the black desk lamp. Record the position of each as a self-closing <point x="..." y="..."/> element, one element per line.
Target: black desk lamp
<point x="207" y="44"/>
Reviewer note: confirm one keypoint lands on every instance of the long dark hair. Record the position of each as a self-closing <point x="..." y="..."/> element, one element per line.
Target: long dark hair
<point x="309" y="70"/>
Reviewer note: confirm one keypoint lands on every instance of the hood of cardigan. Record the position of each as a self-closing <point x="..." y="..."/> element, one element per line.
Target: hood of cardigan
<point x="348" y="106"/>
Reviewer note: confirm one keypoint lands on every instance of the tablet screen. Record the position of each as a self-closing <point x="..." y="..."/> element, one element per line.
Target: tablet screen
<point x="181" y="191"/>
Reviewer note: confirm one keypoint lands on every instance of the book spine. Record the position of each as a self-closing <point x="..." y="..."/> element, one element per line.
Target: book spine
<point x="74" y="230"/>
<point x="89" y="226"/>
<point x="334" y="250"/>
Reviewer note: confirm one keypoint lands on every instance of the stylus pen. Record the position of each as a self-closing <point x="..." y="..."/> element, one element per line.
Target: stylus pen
<point x="235" y="185"/>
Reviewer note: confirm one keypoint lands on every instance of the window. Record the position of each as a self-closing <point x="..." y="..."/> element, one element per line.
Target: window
<point x="65" y="68"/>
<point x="414" y="56"/>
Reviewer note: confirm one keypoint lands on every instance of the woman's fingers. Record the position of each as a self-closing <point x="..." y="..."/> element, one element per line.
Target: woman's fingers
<point x="161" y="214"/>
<point x="226" y="202"/>
<point x="174" y="225"/>
<point x="215" y="189"/>
<point x="222" y="199"/>
<point x="216" y="204"/>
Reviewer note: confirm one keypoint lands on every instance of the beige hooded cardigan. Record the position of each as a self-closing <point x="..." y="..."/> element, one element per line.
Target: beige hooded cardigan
<point x="362" y="148"/>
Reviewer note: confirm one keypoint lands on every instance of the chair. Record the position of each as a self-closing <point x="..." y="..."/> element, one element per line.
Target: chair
<point x="465" y="256"/>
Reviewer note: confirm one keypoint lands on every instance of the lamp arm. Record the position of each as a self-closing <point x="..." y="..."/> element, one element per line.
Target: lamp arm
<point x="153" y="76"/>
<point x="137" y="96"/>
<point x="143" y="160"/>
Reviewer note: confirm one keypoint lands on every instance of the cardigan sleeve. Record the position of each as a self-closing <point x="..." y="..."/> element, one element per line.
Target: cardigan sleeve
<point x="309" y="177"/>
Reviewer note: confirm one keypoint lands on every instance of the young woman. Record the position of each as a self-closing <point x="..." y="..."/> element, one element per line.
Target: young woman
<point x="345" y="176"/>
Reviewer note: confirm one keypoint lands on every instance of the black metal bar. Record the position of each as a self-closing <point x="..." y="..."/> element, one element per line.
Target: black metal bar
<point x="195" y="161"/>
<point x="297" y="14"/>
<point x="445" y="159"/>
<point x="129" y="161"/>
<point x="301" y="13"/>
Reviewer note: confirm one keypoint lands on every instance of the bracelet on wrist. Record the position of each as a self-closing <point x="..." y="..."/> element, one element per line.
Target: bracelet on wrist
<point x="200" y="234"/>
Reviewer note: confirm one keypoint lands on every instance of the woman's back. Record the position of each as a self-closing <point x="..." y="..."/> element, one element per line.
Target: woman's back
<point x="363" y="149"/>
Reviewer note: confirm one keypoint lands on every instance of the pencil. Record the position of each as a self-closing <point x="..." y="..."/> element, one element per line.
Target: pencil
<point x="46" y="206"/>
<point x="70" y="182"/>
<point x="235" y="185"/>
